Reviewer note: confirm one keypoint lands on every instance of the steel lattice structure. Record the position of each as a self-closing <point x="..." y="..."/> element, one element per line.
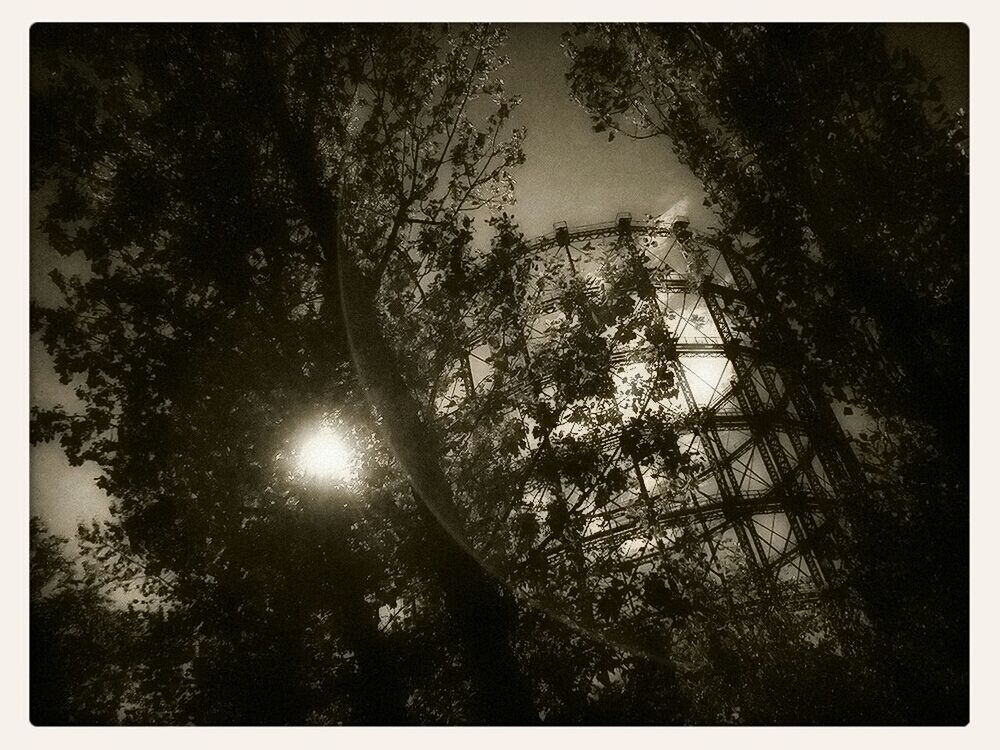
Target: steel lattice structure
<point x="773" y="468"/>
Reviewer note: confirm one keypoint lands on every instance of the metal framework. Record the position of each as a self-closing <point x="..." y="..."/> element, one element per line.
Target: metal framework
<point x="772" y="468"/>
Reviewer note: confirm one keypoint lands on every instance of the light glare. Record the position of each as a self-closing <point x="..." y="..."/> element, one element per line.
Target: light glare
<point x="325" y="456"/>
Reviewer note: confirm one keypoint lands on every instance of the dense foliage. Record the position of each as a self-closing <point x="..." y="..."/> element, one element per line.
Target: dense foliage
<point x="286" y="226"/>
<point x="847" y="176"/>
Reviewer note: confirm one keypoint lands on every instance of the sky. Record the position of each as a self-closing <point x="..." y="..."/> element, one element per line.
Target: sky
<point x="571" y="174"/>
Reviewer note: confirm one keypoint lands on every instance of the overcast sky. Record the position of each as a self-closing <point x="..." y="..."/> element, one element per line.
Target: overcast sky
<point x="571" y="174"/>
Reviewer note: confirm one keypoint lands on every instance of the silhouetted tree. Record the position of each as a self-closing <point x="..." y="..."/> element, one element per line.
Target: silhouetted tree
<point x="278" y="225"/>
<point x="196" y="169"/>
<point x="840" y="164"/>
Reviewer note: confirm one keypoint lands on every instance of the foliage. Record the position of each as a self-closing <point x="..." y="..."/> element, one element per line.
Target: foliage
<point x="836" y="165"/>
<point x="91" y="655"/>
<point x="284" y="226"/>
<point x="206" y="335"/>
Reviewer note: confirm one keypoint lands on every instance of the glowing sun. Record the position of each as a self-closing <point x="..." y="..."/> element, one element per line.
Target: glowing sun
<point x="326" y="456"/>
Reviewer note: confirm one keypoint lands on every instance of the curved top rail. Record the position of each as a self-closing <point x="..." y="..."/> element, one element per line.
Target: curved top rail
<point x="566" y="234"/>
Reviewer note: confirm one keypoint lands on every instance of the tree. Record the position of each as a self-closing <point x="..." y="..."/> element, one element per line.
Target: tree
<point x="280" y="226"/>
<point x="848" y="177"/>
<point x="791" y="136"/>
<point x="67" y="647"/>
<point x="203" y="207"/>
<point x="97" y="638"/>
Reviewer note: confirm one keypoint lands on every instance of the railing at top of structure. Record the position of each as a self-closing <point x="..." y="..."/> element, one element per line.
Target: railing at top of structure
<point x="563" y="234"/>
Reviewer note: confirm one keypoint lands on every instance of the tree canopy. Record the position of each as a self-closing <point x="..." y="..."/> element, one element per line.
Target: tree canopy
<point x="287" y="227"/>
<point x="838" y="160"/>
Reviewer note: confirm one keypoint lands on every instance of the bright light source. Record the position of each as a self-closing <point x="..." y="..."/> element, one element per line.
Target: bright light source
<point x="326" y="456"/>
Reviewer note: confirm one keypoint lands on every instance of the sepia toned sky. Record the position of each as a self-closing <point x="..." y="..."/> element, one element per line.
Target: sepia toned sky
<point x="571" y="174"/>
